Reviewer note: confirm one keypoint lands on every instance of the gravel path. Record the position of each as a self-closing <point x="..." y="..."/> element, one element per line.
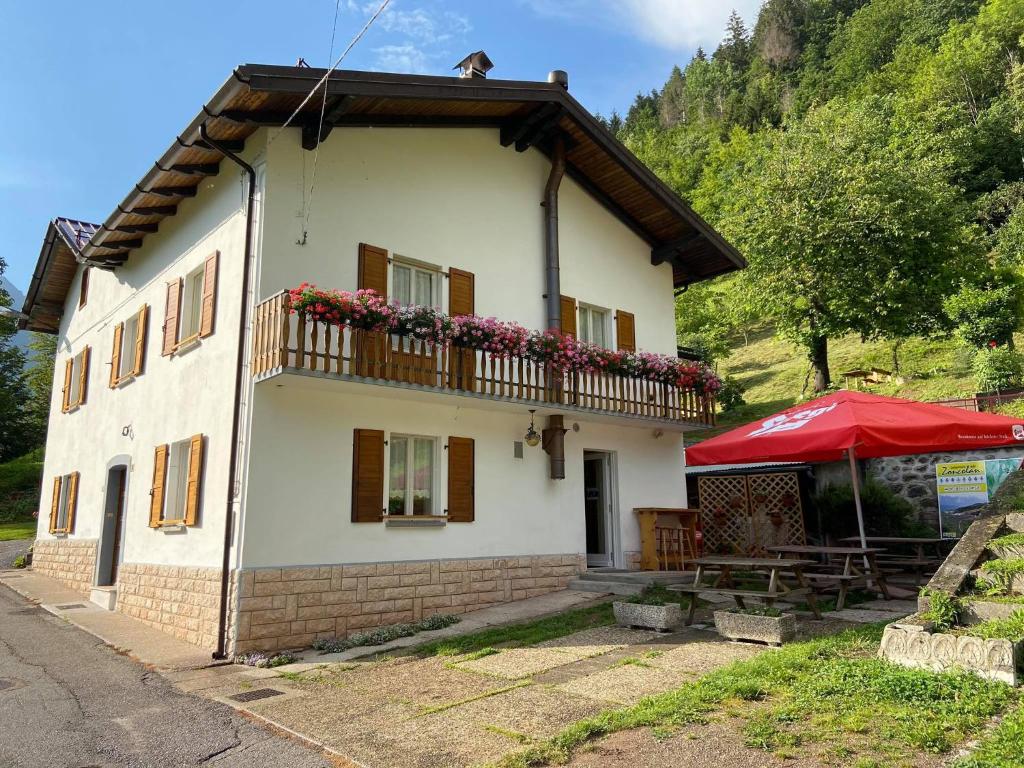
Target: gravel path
<point x="11" y="549"/>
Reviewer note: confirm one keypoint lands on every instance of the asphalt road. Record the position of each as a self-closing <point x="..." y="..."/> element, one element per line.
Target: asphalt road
<point x="68" y="701"/>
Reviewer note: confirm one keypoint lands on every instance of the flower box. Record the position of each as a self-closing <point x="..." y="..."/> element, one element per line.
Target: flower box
<point x="773" y="630"/>
<point x="662" y="618"/>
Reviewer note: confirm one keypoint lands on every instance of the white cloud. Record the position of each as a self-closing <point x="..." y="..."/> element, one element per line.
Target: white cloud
<point x="672" y="24"/>
<point x="416" y="38"/>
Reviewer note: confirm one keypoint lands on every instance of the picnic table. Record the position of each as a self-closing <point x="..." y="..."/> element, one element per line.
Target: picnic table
<point x="778" y="570"/>
<point x="918" y="561"/>
<point x="845" y="575"/>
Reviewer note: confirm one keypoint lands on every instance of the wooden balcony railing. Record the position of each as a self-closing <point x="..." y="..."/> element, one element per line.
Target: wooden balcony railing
<point x="283" y="341"/>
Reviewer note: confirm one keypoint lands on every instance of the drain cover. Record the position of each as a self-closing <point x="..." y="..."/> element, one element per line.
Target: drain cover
<point x="259" y="693"/>
<point x="70" y="606"/>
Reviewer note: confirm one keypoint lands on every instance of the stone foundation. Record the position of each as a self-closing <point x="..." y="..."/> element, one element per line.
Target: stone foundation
<point x="183" y="601"/>
<point x="70" y="561"/>
<point x="291" y="607"/>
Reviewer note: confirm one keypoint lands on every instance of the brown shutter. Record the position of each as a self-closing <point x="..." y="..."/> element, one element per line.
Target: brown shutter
<point x="69" y="524"/>
<point x="83" y="377"/>
<point x="171" y="316"/>
<point x="140" y="340"/>
<point x="55" y="504"/>
<point x="69" y="366"/>
<point x="625" y="331"/>
<point x="568" y="315"/>
<point x="209" y="295"/>
<point x="373" y="269"/>
<point x="461" y="471"/>
<point x="115" y="356"/>
<point x="195" y="469"/>
<point x="367" y="475"/>
<point x="461" y="292"/>
<point x="156" y="493"/>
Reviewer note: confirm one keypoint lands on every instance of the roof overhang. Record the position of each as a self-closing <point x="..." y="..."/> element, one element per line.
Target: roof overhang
<point x="55" y="270"/>
<point x="528" y="115"/>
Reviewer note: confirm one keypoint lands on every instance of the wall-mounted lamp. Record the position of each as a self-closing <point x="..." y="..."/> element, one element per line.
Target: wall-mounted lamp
<point x="532" y="436"/>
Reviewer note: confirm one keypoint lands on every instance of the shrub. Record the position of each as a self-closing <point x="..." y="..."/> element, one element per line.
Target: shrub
<point x="943" y="609"/>
<point x="885" y="513"/>
<point x="384" y="634"/>
<point x="265" y="660"/>
<point x="654" y="594"/>
<point x="998" y="368"/>
<point x="1000" y="575"/>
<point x="984" y="315"/>
<point x="731" y="394"/>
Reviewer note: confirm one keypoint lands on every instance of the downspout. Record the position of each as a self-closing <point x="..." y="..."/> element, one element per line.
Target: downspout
<point x="551" y="269"/>
<point x="236" y="418"/>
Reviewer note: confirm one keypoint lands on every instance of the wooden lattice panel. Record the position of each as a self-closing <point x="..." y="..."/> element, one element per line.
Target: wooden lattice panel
<point x="775" y="510"/>
<point x="725" y="514"/>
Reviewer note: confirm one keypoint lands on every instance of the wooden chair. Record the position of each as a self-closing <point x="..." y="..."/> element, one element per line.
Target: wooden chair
<point x="675" y="543"/>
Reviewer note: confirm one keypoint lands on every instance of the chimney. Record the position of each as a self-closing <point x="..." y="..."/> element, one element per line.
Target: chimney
<point x="559" y="76"/>
<point x="475" y="65"/>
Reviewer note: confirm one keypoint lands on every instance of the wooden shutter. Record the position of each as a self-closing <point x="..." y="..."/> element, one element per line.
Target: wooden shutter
<point x="568" y="315"/>
<point x="55" y="504"/>
<point x="461" y="483"/>
<point x="195" y="469"/>
<point x="115" y="356"/>
<point x="461" y="292"/>
<point x="625" y="331"/>
<point x="69" y="523"/>
<point x="83" y="377"/>
<point x="171" y="316"/>
<point x="156" y="493"/>
<point x="140" y="340"/>
<point x="209" y="295"/>
<point x="373" y="269"/>
<point x="69" y="367"/>
<point x="367" y="475"/>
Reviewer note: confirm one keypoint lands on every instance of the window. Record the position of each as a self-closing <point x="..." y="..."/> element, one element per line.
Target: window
<point x="128" y="338"/>
<point x="76" y="380"/>
<point x="415" y="284"/>
<point x="411" y="475"/>
<point x="176" y="493"/>
<point x="128" y="357"/>
<point x="191" y="304"/>
<point x="83" y="287"/>
<point x="61" y="523"/>
<point x="63" y="503"/>
<point x="593" y="325"/>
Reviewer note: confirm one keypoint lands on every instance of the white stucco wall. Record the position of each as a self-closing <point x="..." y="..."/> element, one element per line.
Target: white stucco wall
<point x="453" y="198"/>
<point x="300" y="479"/>
<point x="174" y="398"/>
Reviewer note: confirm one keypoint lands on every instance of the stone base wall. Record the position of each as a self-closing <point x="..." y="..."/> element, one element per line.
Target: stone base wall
<point x="70" y="561"/>
<point x="291" y="607"/>
<point x="182" y="601"/>
<point x="913" y="477"/>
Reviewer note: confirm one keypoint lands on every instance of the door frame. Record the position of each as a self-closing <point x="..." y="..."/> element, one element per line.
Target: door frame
<point x="613" y="534"/>
<point x="118" y="525"/>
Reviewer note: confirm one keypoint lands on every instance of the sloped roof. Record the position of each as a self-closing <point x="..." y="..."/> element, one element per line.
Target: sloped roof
<point x="55" y="270"/>
<point x="527" y="113"/>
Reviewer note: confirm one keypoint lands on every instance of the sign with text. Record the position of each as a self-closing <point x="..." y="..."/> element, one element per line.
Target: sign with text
<point x="964" y="487"/>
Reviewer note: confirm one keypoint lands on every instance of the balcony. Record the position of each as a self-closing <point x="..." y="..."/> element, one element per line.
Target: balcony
<point x="287" y="343"/>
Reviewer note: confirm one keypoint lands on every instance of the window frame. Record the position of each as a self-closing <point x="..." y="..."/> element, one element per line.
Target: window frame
<point x="414" y="266"/>
<point x="61" y="523"/>
<point x="584" y="330"/>
<point x="177" y="479"/>
<point x="126" y="358"/>
<point x="190" y="305"/>
<point x="436" y="510"/>
<point x="83" y="287"/>
<point x="76" y="397"/>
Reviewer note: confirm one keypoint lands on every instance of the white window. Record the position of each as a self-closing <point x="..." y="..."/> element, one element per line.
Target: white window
<point x="593" y="325"/>
<point x="411" y="475"/>
<point x="191" y="304"/>
<point x="77" y="380"/>
<point x="62" y="508"/>
<point x="415" y="284"/>
<point x="176" y="490"/>
<point x="128" y="338"/>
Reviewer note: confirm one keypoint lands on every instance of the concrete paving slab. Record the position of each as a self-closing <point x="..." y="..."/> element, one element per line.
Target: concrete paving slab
<point x="598" y="640"/>
<point x="902" y="607"/>
<point x="862" y="616"/>
<point x="625" y="684"/>
<point x="123" y="633"/>
<point x="537" y="711"/>
<point x="519" y="663"/>
<point x="702" y="655"/>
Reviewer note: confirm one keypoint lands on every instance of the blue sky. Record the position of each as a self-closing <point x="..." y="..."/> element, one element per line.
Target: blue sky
<point x="94" y="92"/>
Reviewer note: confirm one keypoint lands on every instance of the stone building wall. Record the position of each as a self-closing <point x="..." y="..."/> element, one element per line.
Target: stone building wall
<point x="182" y="601"/>
<point x="291" y="607"/>
<point x="70" y="561"/>
<point x="913" y="477"/>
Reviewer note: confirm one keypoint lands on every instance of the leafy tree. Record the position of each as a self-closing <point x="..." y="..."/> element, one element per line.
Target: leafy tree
<point x="735" y="48"/>
<point x="985" y="315"/>
<point x="847" y="229"/>
<point x="15" y="428"/>
<point x="39" y="380"/>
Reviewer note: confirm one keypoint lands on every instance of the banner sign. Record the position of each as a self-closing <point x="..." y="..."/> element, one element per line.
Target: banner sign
<point x="964" y="487"/>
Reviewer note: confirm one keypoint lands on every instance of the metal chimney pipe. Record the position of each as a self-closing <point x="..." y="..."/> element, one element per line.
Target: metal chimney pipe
<point x="551" y="266"/>
<point x="559" y="76"/>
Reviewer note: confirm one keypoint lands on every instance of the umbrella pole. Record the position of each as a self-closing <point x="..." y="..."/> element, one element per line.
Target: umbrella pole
<point x="855" y="477"/>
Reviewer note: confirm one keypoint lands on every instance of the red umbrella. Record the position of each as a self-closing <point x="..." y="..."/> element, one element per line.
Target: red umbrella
<point x="857" y="425"/>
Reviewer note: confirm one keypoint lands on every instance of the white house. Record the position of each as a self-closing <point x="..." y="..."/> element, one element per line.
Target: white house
<point x="243" y="477"/>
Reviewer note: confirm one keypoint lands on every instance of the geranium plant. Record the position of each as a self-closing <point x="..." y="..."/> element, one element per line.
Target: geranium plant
<point x="367" y="310"/>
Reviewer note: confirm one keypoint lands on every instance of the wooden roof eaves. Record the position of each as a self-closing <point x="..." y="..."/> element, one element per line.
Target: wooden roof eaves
<point x="51" y="241"/>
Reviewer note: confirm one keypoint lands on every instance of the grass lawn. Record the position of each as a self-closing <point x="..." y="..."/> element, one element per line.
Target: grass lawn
<point x="522" y="634"/>
<point x="825" y="697"/>
<point x="23" y="529"/>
